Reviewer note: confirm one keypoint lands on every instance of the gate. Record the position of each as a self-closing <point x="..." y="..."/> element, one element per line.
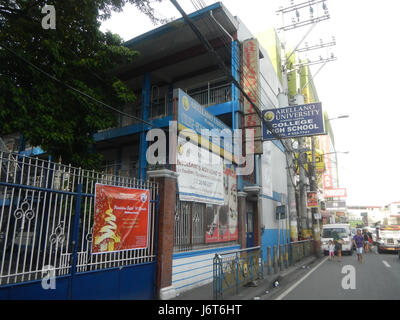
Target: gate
<point x="46" y="224"/>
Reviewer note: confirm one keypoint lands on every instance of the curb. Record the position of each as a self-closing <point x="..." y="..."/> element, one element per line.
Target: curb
<point x="266" y="284"/>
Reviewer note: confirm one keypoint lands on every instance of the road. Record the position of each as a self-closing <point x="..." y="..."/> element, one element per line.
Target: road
<point x="378" y="277"/>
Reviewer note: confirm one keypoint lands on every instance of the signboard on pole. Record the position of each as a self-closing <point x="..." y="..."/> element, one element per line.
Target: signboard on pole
<point x="293" y="122"/>
<point x="312" y="199"/>
<point x="335" y="193"/>
<point x="121" y="218"/>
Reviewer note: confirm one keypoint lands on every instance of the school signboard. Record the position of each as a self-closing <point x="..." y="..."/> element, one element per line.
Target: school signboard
<point x="293" y="122"/>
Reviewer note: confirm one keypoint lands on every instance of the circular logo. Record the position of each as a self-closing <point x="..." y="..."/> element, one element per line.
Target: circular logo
<point x="143" y="197"/>
<point x="269" y="116"/>
<point x="185" y="103"/>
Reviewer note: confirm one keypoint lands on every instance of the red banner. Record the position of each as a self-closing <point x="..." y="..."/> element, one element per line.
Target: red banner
<point x="121" y="218"/>
<point x="312" y="199"/>
<point x="335" y="193"/>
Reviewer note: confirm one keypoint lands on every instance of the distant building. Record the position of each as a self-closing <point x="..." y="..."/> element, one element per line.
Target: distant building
<point x="365" y="215"/>
<point x="392" y="213"/>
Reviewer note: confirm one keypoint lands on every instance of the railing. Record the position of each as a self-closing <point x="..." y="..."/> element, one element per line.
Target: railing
<point x="211" y="96"/>
<point x="233" y="269"/>
<point x="46" y="219"/>
<point x="288" y="254"/>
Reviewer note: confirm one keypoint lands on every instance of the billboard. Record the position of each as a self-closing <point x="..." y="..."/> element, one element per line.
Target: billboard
<point x="222" y="221"/>
<point x="121" y="218"/>
<point x="335" y="193"/>
<point x="335" y="205"/>
<point x="200" y="174"/>
<point x="293" y="122"/>
<point x="251" y="85"/>
<point x="312" y="199"/>
<point x="192" y="115"/>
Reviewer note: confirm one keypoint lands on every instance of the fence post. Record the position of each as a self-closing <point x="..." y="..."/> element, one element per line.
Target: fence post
<point x="75" y="237"/>
<point x="269" y="260"/>
<point x="287" y="255"/>
<point x="280" y="257"/>
<point x="275" y="260"/>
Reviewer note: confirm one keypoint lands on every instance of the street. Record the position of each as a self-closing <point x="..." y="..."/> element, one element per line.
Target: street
<point x="378" y="277"/>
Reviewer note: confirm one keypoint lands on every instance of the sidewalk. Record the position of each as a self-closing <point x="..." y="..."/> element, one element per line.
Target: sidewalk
<point x="245" y="292"/>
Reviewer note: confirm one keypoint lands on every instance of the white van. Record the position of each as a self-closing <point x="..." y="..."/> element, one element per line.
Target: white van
<point x="344" y="232"/>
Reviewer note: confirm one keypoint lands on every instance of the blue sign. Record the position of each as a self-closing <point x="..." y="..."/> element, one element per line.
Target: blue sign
<point x="192" y="115"/>
<point x="293" y="122"/>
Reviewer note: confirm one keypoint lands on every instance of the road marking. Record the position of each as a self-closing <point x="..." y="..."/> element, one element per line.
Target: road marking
<point x="386" y="263"/>
<point x="284" y="294"/>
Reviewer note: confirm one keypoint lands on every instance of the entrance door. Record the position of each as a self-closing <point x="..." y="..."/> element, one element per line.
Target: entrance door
<point x="249" y="230"/>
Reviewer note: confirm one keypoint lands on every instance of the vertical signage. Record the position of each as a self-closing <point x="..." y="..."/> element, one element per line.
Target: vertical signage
<point x="251" y="85"/>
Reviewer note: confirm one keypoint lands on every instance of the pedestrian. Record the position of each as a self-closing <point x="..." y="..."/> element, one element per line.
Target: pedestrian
<point x="358" y="241"/>
<point x="366" y="242"/>
<point x="331" y="248"/>
<point x="338" y="245"/>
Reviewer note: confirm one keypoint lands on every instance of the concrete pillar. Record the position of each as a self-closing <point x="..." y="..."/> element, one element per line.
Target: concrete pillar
<point x="242" y="218"/>
<point x="166" y="180"/>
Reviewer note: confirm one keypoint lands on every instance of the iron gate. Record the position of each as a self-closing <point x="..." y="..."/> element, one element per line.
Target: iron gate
<point x="46" y="221"/>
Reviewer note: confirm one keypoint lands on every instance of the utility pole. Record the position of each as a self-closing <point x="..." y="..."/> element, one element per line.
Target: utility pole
<point x="314" y="211"/>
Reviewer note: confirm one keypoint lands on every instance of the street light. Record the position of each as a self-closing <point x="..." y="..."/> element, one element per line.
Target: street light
<point x="340" y="117"/>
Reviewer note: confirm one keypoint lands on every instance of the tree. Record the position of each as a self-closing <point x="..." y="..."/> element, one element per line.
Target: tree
<point x="47" y="112"/>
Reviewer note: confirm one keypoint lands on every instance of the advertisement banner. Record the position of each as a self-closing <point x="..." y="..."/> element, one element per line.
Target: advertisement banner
<point x="335" y="193"/>
<point x="327" y="177"/>
<point x="222" y="221"/>
<point x="121" y="218"/>
<point x="294" y="121"/>
<point x="200" y="174"/>
<point x="251" y="85"/>
<point x="312" y="199"/>
<point x="192" y="115"/>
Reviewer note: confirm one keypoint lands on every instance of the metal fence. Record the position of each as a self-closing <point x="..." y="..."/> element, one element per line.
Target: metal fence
<point x="233" y="269"/>
<point x="212" y="95"/>
<point x="46" y="219"/>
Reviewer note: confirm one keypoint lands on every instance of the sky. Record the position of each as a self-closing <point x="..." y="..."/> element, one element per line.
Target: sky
<point x="361" y="83"/>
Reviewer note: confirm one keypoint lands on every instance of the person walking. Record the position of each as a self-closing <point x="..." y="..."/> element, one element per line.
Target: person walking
<point x="358" y="241"/>
<point x="331" y="248"/>
<point x="366" y="242"/>
<point x="338" y="245"/>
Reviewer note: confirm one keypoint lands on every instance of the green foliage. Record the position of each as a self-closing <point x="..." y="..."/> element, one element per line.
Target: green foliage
<point x="46" y="112"/>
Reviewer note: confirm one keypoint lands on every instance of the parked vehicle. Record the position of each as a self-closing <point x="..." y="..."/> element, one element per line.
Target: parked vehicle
<point x="344" y="232"/>
<point x="388" y="238"/>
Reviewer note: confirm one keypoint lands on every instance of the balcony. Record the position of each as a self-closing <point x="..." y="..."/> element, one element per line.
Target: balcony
<point x="212" y="94"/>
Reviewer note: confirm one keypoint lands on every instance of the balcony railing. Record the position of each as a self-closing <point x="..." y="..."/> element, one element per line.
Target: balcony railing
<point x="212" y="95"/>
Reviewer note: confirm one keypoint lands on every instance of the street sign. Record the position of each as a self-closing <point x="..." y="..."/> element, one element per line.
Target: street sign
<point x="280" y="212"/>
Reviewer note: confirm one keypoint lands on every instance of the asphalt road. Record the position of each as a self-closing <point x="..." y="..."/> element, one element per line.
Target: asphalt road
<point x="378" y="277"/>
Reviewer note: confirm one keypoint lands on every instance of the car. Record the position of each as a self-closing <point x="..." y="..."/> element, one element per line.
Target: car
<point x="344" y="232"/>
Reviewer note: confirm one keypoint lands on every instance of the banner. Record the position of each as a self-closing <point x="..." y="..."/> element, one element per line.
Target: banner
<point x="312" y="199"/>
<point x="335" y="193"/>
<point x="222" y="221"/>
<point x="251" y="85"/>
<point x="335" y="205"/>
<point x="192" y="115"/>
<point x="121" y="218"/>
<point x="327" y="177"/>
<point x="200" y="174"/>
<point x="294" y="121"/>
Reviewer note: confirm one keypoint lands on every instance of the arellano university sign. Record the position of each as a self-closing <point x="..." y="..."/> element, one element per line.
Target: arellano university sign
<point x="294" y="121"/>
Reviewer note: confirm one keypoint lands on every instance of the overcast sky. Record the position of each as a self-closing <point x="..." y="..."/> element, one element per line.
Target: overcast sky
<point x="362" y="83"/>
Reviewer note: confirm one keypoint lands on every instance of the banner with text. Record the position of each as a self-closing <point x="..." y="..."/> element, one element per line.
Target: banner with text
<point x="200" y="174"/>
<point x="121" y="218"/>
<point x="222" y="221"/>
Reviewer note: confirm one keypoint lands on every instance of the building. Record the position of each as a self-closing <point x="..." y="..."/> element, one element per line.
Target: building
<point x="392" y="213"/>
